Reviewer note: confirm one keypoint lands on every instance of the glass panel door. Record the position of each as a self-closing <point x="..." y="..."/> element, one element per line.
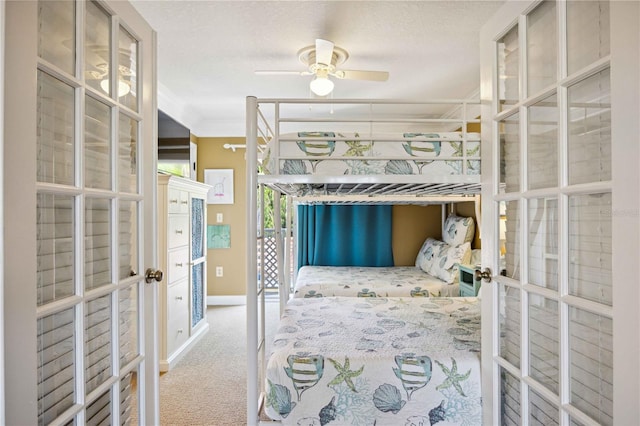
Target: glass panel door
<point x="89" y="278"/>
<point x="552" y="199"/>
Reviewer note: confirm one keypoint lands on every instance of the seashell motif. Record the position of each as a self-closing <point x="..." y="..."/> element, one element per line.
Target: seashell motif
<point x="312" y="293"/>
<point x="294" y="167"/>
<point x="310" y="323"/>
<point x="437" y="414"/>
<point x="398" y="167"/>
<point x="373" y="330"/>
<point x="369" y="345"/>
<point x="452" y="231"/>
<point x="279" y="398"/>
<point x="457" y="331"/>
<point x="279" y="343"/>
<point x="388" y="398"/>
<point x="417" y="421"/>
<point x="328" y="413"/>
<point x="430" y="306"/>
<point x="443" y="262"/>
<point x="390" y="324"/>
<point x="326" y="333"/>
<point x="287" y="329"/>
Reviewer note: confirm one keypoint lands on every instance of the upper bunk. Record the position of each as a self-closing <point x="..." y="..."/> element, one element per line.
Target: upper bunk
<point x="364" y="151"/>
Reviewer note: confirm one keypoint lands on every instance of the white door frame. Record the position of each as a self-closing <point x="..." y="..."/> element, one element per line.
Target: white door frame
<point x="2" y="246"/>
<point x="625" y="117"/>
<point x="19" y="218"/>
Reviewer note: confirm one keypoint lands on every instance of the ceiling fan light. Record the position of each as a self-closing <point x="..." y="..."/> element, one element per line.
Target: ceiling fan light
<point x="123" y="87"/>
<point x="321" y="86"/>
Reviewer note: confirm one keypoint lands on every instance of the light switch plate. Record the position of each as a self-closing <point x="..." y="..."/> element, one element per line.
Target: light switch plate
<point x="219" y="271"/>
<point x="219" y="217"/>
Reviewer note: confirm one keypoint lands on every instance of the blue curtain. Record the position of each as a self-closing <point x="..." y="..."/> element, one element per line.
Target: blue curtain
<point x="336" y="235"/>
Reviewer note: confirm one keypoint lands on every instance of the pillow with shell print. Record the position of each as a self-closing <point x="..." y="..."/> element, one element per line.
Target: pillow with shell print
<point x="458" y="230"/>
<point x="428" y="253"/>
<point x="445" y="264"/>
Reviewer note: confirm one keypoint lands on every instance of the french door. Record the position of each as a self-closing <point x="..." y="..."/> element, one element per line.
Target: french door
<point x="560" y="127"/>
<point x="79" y="190"/>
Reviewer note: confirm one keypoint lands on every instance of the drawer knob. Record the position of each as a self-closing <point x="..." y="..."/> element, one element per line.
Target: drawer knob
<point x="179" y="331"/>
<point x="178" y="297"/>
<point x="184" y="202"/>
<point x="173" y="201"/>
<point x="179" y="265"/>
<point x="178" y="231"/>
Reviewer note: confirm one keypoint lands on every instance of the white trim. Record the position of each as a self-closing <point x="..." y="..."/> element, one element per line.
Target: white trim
<point x="226" y="300"/>
<point x="169" y="363"/>
<point x="2" y="392"/>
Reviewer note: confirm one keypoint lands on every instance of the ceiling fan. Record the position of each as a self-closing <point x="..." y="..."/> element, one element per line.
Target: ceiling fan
<point x="322" y="60"/>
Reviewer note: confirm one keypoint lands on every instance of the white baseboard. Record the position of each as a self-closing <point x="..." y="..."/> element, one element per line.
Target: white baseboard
<point x="226" y="300"/>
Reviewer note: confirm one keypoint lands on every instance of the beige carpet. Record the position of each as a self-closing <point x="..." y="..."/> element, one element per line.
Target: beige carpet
<point x="208" y="385"/>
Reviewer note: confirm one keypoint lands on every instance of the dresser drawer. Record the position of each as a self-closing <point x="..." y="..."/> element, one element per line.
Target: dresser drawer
<point x="177" y="299"/>
<point x="178" y="201"/>
<point x="178" y="265"/>
<point x="177" y="331"/>
<point x="178" y="231"/>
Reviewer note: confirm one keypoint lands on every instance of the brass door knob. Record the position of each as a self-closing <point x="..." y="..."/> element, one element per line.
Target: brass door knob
<point x="153" y="274"/>
<point x="485" y="275"/>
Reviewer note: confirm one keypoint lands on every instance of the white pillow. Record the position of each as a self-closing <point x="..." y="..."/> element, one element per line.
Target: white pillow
<point x="445" y="264"/>
<point x="430" y="248"/>
<point x="458" y="230"/>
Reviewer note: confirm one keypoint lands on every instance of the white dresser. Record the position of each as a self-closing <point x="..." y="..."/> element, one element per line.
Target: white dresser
<point x="182" y="222"/>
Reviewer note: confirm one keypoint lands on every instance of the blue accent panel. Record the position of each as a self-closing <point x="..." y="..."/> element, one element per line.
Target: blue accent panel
<point x="197" y="291"/>
<point x="331" y="235"/>
<point x="197" y="229"/>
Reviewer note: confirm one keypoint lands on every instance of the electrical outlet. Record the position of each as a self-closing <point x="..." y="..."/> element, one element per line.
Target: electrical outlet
<point x="219" y="217"/>
<point x="218" y="271"/>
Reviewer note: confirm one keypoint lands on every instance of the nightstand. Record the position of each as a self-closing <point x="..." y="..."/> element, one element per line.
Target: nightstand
<point x="469" y="287"/>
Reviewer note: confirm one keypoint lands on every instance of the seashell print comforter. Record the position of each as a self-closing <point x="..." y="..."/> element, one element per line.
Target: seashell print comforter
<point x="358" y="281"/>
<point x="382" y="361"/>
<point x="357" y="153"/>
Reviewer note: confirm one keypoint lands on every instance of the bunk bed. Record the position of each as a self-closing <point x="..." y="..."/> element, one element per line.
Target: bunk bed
<point x="352" y="152"/>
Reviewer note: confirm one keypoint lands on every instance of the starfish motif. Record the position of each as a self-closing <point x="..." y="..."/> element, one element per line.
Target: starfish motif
<point x="357" y="148"/>
<point x="453" y="378"/>
<point x="344" y="374"/>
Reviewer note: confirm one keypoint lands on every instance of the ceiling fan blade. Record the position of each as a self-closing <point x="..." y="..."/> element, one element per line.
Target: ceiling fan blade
<point x="324" y="51"/>
<point x="281" y="72"/>
<point x="362" y="75"/>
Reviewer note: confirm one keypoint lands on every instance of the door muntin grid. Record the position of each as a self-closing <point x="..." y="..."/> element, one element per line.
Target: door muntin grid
<point x="88" y="217"/>
<point x="564" y="249"/>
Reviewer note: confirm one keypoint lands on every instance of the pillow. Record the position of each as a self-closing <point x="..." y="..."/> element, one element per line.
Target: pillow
<point x="458" y="230"/>
<point x="425" y="257"/>
<point x="445" y="264"/>
<point x="476" y="258"/>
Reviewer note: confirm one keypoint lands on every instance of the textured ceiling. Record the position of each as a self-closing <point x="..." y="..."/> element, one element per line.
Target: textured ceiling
<point x="208" y="52"/>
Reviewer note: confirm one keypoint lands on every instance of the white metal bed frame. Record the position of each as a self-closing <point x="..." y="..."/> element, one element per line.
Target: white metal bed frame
<point x="346" y="189"/>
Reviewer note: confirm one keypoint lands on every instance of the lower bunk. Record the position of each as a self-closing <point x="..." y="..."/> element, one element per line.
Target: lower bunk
<point x="358" y="281"/>
<point x="382" y="361"/>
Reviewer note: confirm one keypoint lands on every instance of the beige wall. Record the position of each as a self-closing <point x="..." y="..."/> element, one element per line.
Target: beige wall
<point x="413" y="224"/>
<point x="211" y="155"/>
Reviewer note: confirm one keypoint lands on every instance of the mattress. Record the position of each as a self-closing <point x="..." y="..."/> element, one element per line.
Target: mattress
<point x="383" y="361"/>
<point x="356" y="281"/>
<point x="349" y="153"/>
